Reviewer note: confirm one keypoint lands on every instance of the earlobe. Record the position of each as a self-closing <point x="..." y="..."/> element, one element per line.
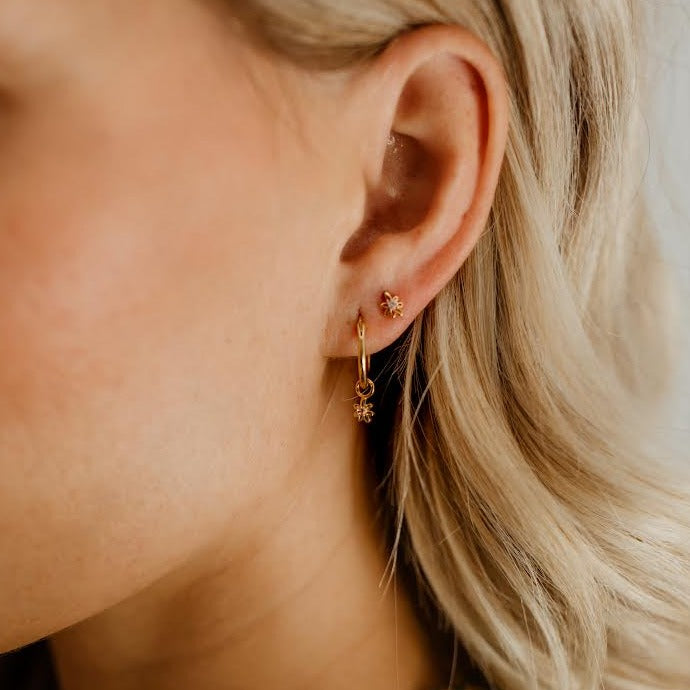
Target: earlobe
<point x="433" y="146"/>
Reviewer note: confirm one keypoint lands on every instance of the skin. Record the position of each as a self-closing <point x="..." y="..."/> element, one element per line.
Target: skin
<point x="183" y="255"/>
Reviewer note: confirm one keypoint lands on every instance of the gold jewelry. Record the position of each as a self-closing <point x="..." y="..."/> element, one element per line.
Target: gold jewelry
<point x="392" y="305"/>
<point x="364" y="388"/>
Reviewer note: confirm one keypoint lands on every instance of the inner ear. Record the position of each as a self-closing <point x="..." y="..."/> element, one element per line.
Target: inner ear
<point x="402" y="197"/>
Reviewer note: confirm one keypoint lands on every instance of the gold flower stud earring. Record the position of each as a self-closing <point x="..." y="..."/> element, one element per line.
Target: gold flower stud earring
<point x="392" y="305"/>
<point x="364" y="388"/>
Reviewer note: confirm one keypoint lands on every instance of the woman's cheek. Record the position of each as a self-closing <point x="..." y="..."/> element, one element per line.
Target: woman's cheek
<point x="98" y="397"/>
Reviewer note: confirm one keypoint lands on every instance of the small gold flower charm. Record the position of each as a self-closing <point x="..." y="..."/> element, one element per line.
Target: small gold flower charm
<point x="392" y="305"/>
<point x="364" y="411"/>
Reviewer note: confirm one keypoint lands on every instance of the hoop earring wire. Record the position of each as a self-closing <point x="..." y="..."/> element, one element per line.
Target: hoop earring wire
<point x="364" y="388"/>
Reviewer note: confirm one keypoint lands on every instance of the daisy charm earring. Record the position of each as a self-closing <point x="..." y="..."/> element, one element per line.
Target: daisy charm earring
<point x="392" y="305"/>
<point x="364" y="388"/>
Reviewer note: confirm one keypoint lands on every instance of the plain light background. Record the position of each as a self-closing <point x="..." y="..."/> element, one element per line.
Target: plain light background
<point x="667" y="177"/>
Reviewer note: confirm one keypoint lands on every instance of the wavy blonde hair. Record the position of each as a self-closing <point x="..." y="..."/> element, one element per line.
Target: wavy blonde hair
<point x="518" y="478"/>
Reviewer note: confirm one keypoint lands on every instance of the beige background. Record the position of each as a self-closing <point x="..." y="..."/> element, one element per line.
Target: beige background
<point x="667" y="180"/>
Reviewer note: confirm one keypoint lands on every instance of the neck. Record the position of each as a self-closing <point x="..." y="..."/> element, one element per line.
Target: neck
<point x="297" y="605"/>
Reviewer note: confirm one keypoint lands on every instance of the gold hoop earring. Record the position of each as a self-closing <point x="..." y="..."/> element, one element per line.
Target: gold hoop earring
<point x="392" y="305"/>
<point x="364" y="388"/>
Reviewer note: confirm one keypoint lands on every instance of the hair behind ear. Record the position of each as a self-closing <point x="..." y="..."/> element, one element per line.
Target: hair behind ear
<point x="521" y="481"/>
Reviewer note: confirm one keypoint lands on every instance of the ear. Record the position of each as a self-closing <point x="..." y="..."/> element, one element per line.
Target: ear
<point x="432" y="129"/>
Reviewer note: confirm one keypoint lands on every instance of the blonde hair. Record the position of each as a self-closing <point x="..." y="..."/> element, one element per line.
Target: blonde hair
<point x="520" y="482"/>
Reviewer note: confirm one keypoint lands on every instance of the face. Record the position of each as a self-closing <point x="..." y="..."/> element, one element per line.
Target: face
<point x="166" y="203"/>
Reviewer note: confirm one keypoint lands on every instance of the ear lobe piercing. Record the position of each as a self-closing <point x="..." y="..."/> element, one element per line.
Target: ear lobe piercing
<point x="364" y="388"/>
<point x="392" y="305"/>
